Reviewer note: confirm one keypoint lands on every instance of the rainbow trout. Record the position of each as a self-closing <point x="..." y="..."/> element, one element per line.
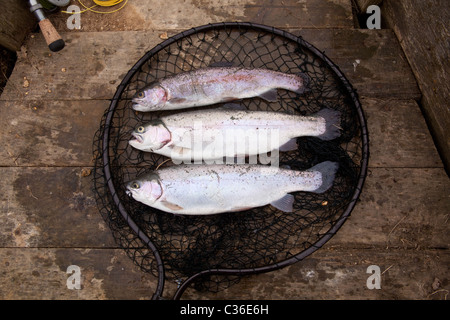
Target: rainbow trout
<point x="218" y="133"/>
<point x="211" y="189"/>
<point x="212" y="85"/>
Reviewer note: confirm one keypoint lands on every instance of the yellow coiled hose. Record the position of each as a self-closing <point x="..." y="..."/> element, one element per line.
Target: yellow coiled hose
<point x="107" y="3"/>
<point x="101" y="3"/>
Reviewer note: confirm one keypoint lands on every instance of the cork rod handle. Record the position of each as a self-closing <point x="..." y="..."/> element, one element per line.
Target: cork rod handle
<point x="52" y="37"/>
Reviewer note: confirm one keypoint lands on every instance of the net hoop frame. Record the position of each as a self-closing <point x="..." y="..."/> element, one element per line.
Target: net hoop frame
<point x="240" y="272"/>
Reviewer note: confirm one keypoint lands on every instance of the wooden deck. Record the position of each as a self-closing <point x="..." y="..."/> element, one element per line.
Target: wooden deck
<point x="52" y="107"/>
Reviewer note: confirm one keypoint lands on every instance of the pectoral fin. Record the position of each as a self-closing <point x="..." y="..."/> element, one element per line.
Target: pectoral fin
<point x="285" y="203"/>
<point x="178" y="100"/>
<point x="181" y="151"/>
<point x="171" y="206"/>
<point x="270" y="96"/>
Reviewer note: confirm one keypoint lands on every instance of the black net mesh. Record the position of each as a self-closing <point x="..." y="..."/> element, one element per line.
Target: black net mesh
<point x="251" y="239"/>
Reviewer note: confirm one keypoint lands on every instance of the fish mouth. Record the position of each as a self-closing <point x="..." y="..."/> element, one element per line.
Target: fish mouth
<point x="137" y="138"/>
<point x="138" y="105"/>
<point x="143" y="106"/>
<point x="127" y="189"/>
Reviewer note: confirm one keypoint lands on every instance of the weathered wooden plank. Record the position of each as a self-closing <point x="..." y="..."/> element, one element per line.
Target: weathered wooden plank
<point x="60" y="133"/>
<point x="330" y="273"/>
<point x="402" y="208"/>
<point x="50" y="207"/>
<point x="49" y="133"/>
<point x="339" y="273"/>
<point x="42" y="274"/>
<point x="55" y="207"/>
<point x="180" y="15"/>
<point x="372" y="60"/>
<point x="422" y="29"/>
<point x="398" y="135"/>
<point x="92" y="64"/>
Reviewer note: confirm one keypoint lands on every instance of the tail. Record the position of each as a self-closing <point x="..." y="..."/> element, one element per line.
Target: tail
<point x="328" y="171"/>
<point x="332" y="123"/>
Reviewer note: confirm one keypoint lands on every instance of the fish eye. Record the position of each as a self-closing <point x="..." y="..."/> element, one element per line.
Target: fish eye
<point x="141" y="94"/>
<point x="135" y="185"/>
<point x="140" y="129"/>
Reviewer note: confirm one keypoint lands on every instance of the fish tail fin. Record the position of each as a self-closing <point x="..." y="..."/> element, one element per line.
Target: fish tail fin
<point x="304" y="81"/>
<point x="332" y="123"/>
<point x="328" y="171"/>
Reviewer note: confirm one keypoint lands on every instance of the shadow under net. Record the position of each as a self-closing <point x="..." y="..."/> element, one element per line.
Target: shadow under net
<point x="256" y="240"/>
